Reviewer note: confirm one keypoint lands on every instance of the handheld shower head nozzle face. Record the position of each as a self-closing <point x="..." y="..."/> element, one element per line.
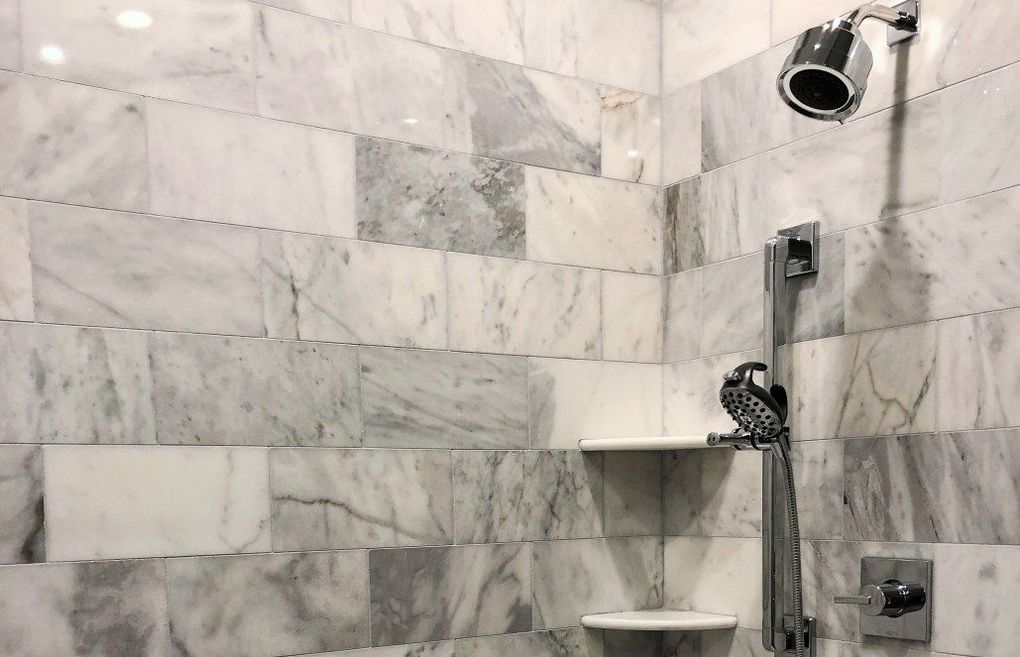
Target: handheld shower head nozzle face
<point x="755" y="410"/>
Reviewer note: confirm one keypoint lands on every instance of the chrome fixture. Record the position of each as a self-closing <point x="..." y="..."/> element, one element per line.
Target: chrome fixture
<point x="898" y="605"/>
<point x="826" y="75"/>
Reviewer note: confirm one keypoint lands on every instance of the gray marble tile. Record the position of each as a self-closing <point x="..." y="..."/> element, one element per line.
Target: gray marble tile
<point x="194" y="51"/>
<point x="681" y="134"/>
<point x="632" y="317"/>
<point x="683" y="239"/>
<point x="866" y="384"/>
<point x="16" y="276"/>
<point x="976" y="389"/>
<point x="10" y="34"/>
<point x="104" y="608"/>
<point x="72" y="144"/>
<point x="487" y="589"/>
<point x="574" y="399"/>
<point x="818" y="472"/>
<point x="946" y="488"/>
<point x="208" y="164"/>
<point x="23" y="537"/>
<point x="566" y="642"/>
<point x="439" y="200"/>
<point x="586" y="576"/>
<point x="682" y="317"/>
<point x="791" y="17"/>
<point x="111" y="502"/>
<point x="429" y="649"/>
<point x="633" y="494"/>
<point x="231" y="391"/>
<point x="721" y="575"/>
<point x="74" y="385"/>
<point x="268" y="604"/>
<point x="434" y="399"/>
<point x="115" y="269"/>
<point x="972" y="37"/>
<point x="630" y="136"/>
<point x="335" y="290"/>
<point x="737" y="643"/>
<point x="976" y="593"/>
<point x="350" y="498"/>
<point x="506" y="306"/>
<point x="731" y="306"/>
<point x="489" y="497"/>
<point x="624" y="643"/>
<point x="593" y="222"/>
<point x="817" y="302"/>
<point x="712" y="493"/>
<point x="334" y="10"/>
<point x="691" y="394"/>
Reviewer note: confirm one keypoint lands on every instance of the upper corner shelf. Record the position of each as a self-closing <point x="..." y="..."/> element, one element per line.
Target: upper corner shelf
<point x="660" y="620"/>
<point x="647" y="444"/>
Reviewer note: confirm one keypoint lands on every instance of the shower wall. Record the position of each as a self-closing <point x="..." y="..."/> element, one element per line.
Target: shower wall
<point x="305" y="305"/>
<point x="905" y="364"/>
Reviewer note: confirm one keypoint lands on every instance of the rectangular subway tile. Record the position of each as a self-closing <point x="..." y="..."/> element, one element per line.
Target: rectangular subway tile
<point x="74" y="385"/>
<point x="268" y="604"/>
<point x="487" y="589"/>
<point x="566" y="642"/>
<point x="439" y="200"/>
<point x="681" y="134"/>
<point x="207" y="164"/>
<point x="726" y="580"/>
<point x="691" y="394"/>
<point x="22" y="537"/>
<point x="428" y="649"/>
<point x="99" y="608"/>
<point x="818" y="470"/>
<point x="731" y="306"/>
<point x="489" y="497"/>
<point x="633" y="494"/>
<point x="632" y="308"/>
<point x="16" y="276"/>
<point x="573" y="399"/>
<point x="683" y="239"/>
<point x="974" y="38"/>
<point x="334" y="290"/>
<point x="818" y="302"/>
<point x="630" y="136"/>
<point x="236" y="391"/>
<point x="712" y="493"/>
<point x="350" y="498"/>
<point x="682" y="314"/>
<point x="133" y="271"/>
<point x="110" y="502"/>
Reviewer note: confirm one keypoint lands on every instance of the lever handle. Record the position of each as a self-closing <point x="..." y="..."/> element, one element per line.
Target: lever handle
<point x="891" y="599"/>
<point x="862" y="600"/>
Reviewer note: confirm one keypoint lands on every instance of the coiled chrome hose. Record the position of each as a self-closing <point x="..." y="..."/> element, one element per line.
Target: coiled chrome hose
<point x="781" y="450"/>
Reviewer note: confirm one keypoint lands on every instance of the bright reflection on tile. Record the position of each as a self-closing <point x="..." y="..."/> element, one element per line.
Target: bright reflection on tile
<point x="133" y="19"/>
<point x="52" y="54"/>
<point x="410" y="121"/>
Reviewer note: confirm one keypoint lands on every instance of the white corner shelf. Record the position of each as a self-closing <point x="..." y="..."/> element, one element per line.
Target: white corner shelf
<point x="646" y="444"/>
<point x="660" y="620"/>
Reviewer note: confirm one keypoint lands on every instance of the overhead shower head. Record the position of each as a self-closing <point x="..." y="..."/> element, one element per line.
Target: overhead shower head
<point x="759" y="412"/>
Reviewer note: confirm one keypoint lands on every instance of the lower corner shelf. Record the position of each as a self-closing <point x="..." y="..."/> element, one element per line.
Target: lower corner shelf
<point x="659" y="620"/>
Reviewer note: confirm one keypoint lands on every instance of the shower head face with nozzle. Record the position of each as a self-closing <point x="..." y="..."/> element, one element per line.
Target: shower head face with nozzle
<point x="759" y="412"/>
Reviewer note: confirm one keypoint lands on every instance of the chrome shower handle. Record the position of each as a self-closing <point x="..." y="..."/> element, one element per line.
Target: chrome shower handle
<point x="862" y="600"/>
<point x="891" y="598"/>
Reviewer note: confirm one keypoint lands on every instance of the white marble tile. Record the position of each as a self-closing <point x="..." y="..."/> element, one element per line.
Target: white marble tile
<point x="681" y="134"/>
<point x="712" y="492"/>
<point x="633" y="494"/>
<point x="207" y="164"/>
<point x="115" y="269"/>
<point x="720" y="575"/>
<point x="334" y="10"/>
<point x="817" y="302"/>
<point x="565" y="642"/>
<point x="493" y="28"/>
<point x="682" y="317"/>
<point x="974" y="37"/>
<point x="866" y="384"/>
<point x="429" y="649"/>
<point x="16" y="274"/>
<point x="111" y="502"/>
<point x="630" y="136"/>
<point x="691" y="394"/>
<point x="610" y="41"/>
<point x="22" y="514"/>
<point x="701" y="37"/>
<point x="573" y="399"/>
<point x="818" y="471"/>
<point x="197" y="51"/>
<point x="317" y="288"/>
<point x="631" y="317"/>
<point x="594" y="222"/>
<point x="73" y="144"/>
<point x="731" y="306"/>
<point x="791" y="17"/>
<point x="10" y="34"/>
<point x="74" y="385"/>
<point x="507" y="306"/>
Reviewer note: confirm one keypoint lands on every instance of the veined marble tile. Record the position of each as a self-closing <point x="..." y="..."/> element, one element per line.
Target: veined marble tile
<point x="731" y="306"/>
<point x="439" y="200"/>
<point x="111" y="502"/>
<point x="335" y="290"/>
<point x="907" y="270"/>
<point x="977" y="388"/>
<point x="268" y="604"/>
<point x="72" y="144"/>
<point x="517" y="307"/>
<point x="196" y="51"/>
<point x="566" y="642"/>
<point x="429" y="649"/>
<point x="633" y="494"/>
<point x="691" y="394"/>
<point x="700" y="37"/>
<point x="980" y="137"/>
<point x="979" y="589"/>
<point x="817" y="302"/>
<point x="22" y="537"/>
<point x="16" y="274"/>
<point x="681" y="134"/>
<point x="866" y="384"/>
<point x="231" y="391"/>
<point x="947" y="488"/>
<point x="610" y="41"/>
<point x="593" y="222"/>
<point x="712" y="492"/>
<point x="630" y="136"/>
<point x="587" y="576"/>
<point x="574" y="399"/>
<point x="739" y="642"/>
<point x="104" y="608"/>
<point x="487" y="589"/>
<point x="682" y="317"/>
<point x="207" y="164"/>
<point x="348" y="498"/>
<point x="683" y="242"/>
<point x="818" y="472"/>
<point x="973" y="37"/>
<point x="116" y="269"/>
<point x="489" y="497"/>
<point x="791" y="17"/>
<point x="828" y="648"/>
<point x="334" y="10"/>
<point x="492" y="28"/>
<point x="632" y="318"/>
<point x="448" y="400"/>
<point x="10" y="34"/>
<point x="74" y="385"/>
<point x="719" y="574"/>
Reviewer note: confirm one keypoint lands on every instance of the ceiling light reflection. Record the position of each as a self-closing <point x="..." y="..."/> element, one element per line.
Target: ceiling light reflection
<point x="133" y="19"/>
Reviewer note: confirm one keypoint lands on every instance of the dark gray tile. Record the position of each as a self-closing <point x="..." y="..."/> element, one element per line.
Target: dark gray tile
<point x="683" y="233"/>
<point x="22" y="533"/>
<point x="633" y="494"/>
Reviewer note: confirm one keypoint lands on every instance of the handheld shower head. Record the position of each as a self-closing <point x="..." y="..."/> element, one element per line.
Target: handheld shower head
<point x="759" y="412"/>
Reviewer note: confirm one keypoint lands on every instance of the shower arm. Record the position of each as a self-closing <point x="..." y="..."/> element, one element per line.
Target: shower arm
<point x="899" y="19"/>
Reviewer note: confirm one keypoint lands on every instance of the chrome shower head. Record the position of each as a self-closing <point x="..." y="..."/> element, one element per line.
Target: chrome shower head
<point x="759" y="412"/>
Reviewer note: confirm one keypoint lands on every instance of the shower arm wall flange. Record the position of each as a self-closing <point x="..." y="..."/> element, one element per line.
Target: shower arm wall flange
<point x="903" y="19"/>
